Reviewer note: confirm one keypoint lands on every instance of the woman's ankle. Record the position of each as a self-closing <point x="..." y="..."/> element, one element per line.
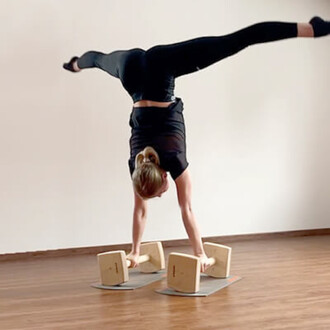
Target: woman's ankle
<point x="75" y="66"/>
<point x="305" y="30"/>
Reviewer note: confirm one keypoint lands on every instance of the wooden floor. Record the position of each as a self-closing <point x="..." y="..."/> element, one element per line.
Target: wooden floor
<point x="285" y="285"/>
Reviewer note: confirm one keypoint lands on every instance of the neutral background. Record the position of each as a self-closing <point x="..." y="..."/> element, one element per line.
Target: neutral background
<point x="257" y="123"/>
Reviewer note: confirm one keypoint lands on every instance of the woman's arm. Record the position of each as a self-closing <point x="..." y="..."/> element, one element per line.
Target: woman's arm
<point x="139" y="221"/>
<point x="183" y="187"/>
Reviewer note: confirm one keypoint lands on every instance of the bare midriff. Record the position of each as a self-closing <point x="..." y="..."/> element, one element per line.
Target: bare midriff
<point x="148" y="103"/>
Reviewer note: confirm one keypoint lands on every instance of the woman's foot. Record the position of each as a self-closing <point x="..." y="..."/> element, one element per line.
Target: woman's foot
<point x="321" y="27"/>
<point x="72" y="65"/>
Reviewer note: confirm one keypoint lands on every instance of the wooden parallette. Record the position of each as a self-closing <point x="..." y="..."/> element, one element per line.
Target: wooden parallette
<point x="183" y="272"/>
<point x="114" y="266"/>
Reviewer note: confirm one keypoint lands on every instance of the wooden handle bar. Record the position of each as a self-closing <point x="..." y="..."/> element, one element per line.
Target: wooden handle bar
<point x="212" y="261"/>
<point x="141" y="259"/>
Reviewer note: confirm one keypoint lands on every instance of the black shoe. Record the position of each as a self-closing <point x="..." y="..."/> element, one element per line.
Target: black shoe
<point x="321" y="27"/>
<point x="69" y="65"/>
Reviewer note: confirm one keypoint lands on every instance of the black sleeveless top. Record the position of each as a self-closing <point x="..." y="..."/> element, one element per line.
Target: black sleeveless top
<point x="162" y="129"/>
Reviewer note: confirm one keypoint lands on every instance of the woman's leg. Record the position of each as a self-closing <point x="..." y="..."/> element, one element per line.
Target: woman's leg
<point x="90" y="59"/>
<point x="94" y="59"/>
<point x="192" y="55"/>
<point x="87" y="60"/>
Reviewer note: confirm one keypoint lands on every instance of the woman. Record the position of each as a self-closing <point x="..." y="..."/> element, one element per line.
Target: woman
<point x="158" y="141"/>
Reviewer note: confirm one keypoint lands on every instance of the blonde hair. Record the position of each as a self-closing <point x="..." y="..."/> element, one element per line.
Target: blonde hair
<point x="147" y="176"/>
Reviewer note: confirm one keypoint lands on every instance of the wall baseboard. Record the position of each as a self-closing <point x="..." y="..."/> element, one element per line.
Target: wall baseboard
<point x="166" y="244"/>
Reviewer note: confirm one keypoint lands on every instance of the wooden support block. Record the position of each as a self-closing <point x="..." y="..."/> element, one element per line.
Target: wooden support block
<point x="221" y="263"/>
<point x="111" y="270"/>
<point x="183" y="272"/>
<point x="156" y="258"/>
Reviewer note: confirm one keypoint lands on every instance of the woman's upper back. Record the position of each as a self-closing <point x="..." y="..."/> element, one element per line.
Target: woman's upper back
<point x="164" y="130"/>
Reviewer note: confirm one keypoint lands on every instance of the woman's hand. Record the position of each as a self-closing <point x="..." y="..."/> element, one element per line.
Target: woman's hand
<point x="133" y="258"/>
<point x="205" y="262"/>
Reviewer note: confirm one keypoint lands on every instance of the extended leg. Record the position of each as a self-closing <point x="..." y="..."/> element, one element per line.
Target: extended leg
<point x="89" y="59"/>
<point x="94" y="59"/>
<point x="192" y="55"/>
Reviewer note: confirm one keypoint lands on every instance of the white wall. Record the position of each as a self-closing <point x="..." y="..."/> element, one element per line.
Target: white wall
<point x="257" y="123"/>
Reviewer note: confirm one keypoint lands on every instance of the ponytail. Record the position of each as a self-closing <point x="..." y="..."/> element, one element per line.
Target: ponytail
<point x="147" y="176"/>
<point x="147" y="155"/>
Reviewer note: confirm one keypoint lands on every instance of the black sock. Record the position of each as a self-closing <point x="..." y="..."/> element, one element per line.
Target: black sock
<point x="321" y="27"/>
<point x="69" y="65"/>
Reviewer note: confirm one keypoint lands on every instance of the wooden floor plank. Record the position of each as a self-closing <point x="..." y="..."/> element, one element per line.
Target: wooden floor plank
<point x="285" y="285"/>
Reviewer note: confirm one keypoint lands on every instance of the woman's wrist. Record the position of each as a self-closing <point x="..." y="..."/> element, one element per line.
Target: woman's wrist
<point x="200" y="254"/>
<point x="198" y="249"/>
<point x="135" y="248"/>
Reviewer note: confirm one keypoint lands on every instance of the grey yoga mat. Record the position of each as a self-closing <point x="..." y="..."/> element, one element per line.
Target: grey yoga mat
<point x="208" y="285"/>
<point x="136" y="280"/>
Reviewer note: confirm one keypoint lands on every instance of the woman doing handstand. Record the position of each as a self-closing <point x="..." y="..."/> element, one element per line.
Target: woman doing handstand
<point x="158" y="143"/>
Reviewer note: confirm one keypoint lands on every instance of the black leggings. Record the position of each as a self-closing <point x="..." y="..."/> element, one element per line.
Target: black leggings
<point x="189" y="56"/>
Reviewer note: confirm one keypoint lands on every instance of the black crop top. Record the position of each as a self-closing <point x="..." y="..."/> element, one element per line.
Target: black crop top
<point x="143" y="74"/>
<point x="164" y="130"/>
